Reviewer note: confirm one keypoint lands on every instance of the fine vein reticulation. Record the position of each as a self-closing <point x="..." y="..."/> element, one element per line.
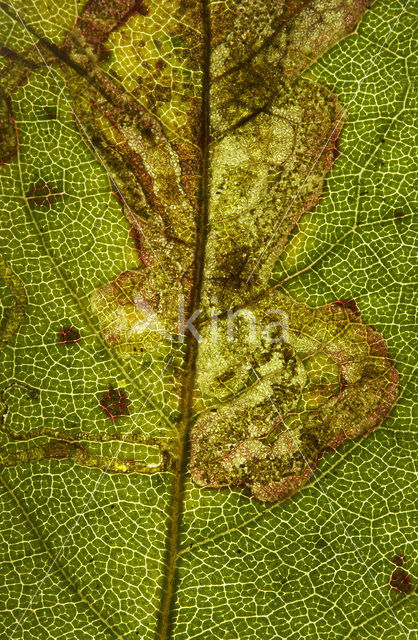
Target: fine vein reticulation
<point x="190" y="143"/>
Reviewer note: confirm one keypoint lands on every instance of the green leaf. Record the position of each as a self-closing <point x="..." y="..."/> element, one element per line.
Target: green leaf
<point x="175" y="161"/>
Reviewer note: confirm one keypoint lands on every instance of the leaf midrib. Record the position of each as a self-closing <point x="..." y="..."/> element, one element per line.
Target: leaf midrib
<point x="168" y="591"/>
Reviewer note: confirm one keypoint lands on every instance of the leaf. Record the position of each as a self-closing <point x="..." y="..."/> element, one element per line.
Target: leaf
<point x="182" y="293"/>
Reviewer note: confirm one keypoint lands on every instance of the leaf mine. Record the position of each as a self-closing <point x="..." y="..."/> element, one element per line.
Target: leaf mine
<point x="215" y="145"/>
<point x="182" y="182"/>
<point x="329" y="382"/>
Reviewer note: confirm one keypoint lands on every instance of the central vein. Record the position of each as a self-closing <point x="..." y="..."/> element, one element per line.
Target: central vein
<point x="176" y="508"/>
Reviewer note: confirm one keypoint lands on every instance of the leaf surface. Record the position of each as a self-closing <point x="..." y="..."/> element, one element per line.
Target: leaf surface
<point x="169" y="159"/>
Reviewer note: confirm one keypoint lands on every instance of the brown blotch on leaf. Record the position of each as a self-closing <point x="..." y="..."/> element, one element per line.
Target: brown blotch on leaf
<point x="8" y="131"/>
<point x="399" y="560"/>
<point x="350" y="306"/>
<point x="115" y="403"/>
<point x="321" y="543"/>
<point x="60" y="449"/>
<point x="125" y="287"/>
<point x="69" y="335"/>
<point x="99" y="19"/>
<point x="50" y="112"/>
<point x="400" y="581"/>
<point x="42" y="195"/>
<point x="160" y="64"/>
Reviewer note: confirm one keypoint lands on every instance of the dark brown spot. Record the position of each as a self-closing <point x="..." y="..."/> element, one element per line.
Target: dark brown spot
<point x="42" y="195"/>
<point x="160" y="64"/>
<point x="399" y="560"/>
<point x="115" y="403"/>
<point x="321" y="543"/>
<point x="69" y="335"/>
<point x="50" y="112"/>
<point x="400" y="581"/>
<point x="96" y="141"/>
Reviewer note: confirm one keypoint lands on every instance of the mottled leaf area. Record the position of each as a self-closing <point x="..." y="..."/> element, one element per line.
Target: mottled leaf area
<point x="166" y="156"/>
<point x="215" y="147"/>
